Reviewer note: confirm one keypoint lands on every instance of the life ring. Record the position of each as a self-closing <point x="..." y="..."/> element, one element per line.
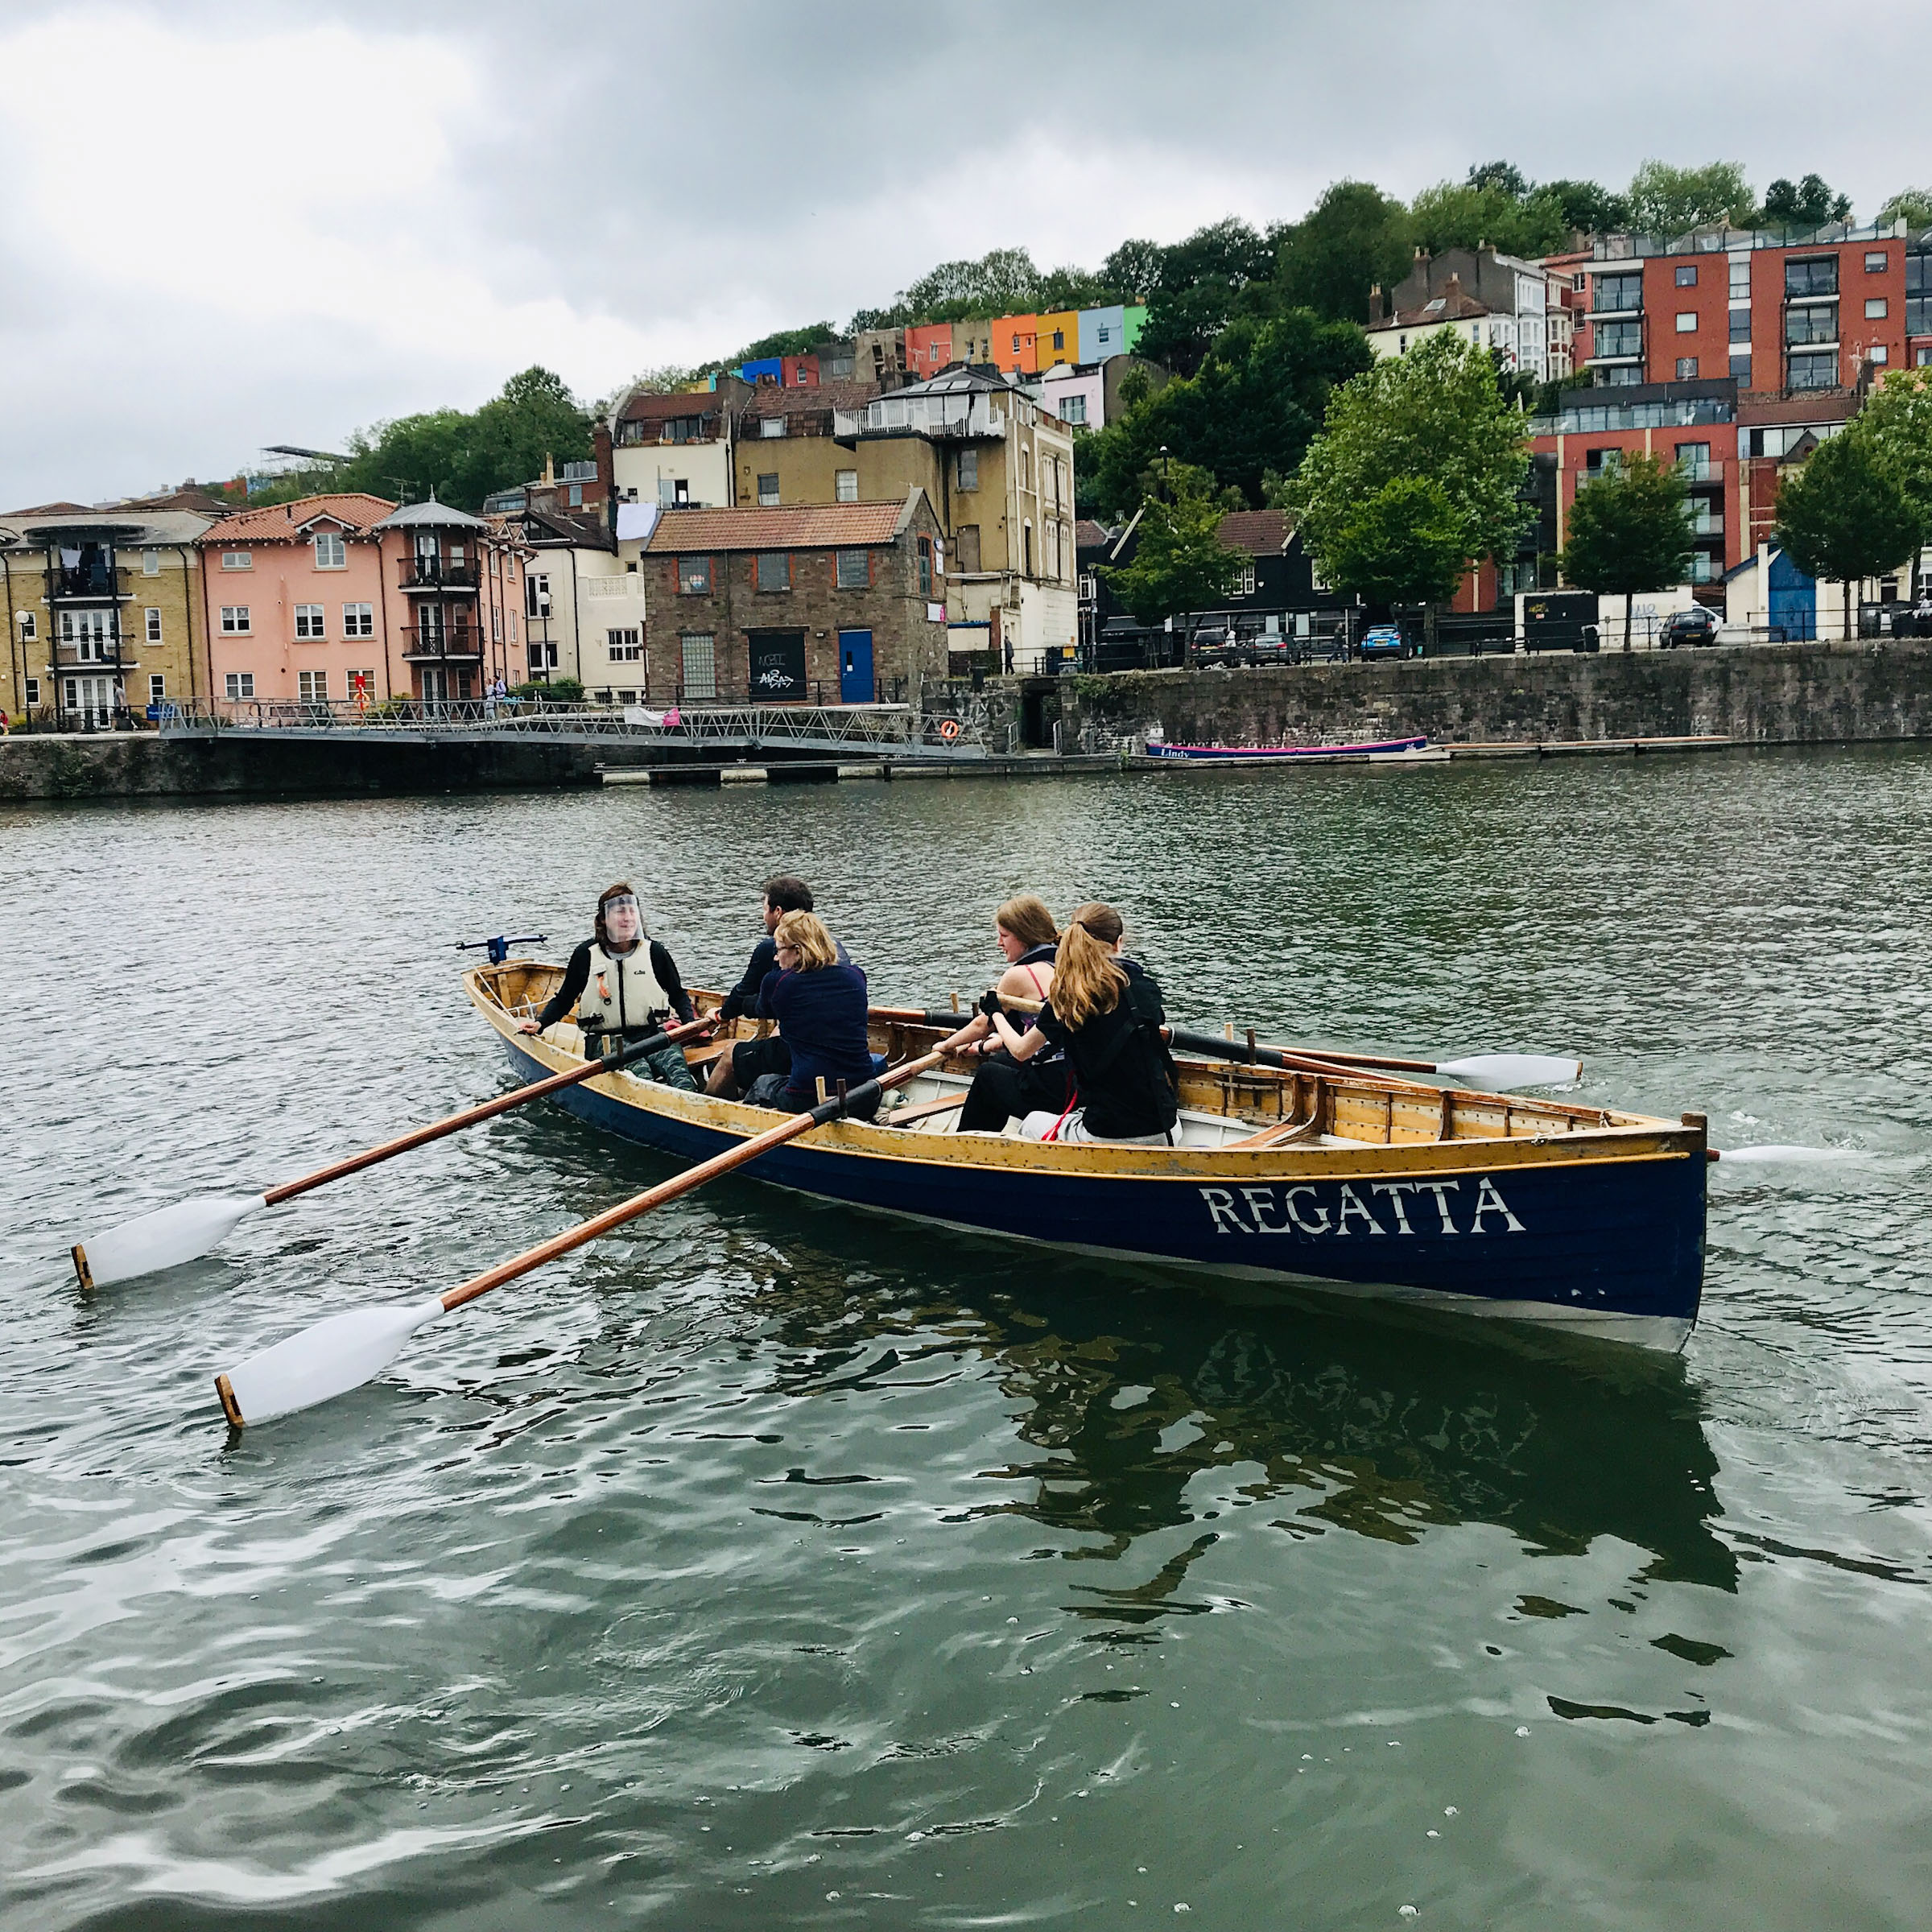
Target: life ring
<point x="949" y="728"/>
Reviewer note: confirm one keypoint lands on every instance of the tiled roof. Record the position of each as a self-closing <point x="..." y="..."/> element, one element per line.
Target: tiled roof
<point x="648" y="407"/>
<point x="355" y="508"/>
<point x="1458" y="308"/>
<point x="52" y="509"/>
<point x="768" y="399"/>
<point x="1090" y="535"/>
<point x="809" y="526"/>
<point x="1261" y="533"/>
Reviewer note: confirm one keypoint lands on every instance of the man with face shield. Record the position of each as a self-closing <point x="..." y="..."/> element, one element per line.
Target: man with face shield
<point x="624" y="985"/>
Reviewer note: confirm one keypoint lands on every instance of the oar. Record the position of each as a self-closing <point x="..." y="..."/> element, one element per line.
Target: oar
<point x="189" y="1229"/>
<point x="347" y="1350"/>
<point x="1494" y="1072"/>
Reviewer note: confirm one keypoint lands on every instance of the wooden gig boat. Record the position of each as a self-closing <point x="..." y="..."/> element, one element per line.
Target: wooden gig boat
<point x="1363" y="1183"/>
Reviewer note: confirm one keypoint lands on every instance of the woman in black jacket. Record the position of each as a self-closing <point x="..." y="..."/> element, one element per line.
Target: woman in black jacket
<point x="625" y="986"/>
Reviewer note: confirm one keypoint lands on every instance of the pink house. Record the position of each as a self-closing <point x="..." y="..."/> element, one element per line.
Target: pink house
<point x="345" y="599"/>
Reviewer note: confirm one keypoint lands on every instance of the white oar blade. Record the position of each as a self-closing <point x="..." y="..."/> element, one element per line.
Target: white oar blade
<point x="328" y="1360"/>
<point x="1504" y="1072"/>
<point x="1783" y="1155"/>
<point x="163" y="1239"/>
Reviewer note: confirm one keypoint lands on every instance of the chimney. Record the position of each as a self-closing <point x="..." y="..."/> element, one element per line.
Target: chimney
<point x="1452" y="291"/>
<point x="1375" y="305"/>
<point x="550" y="469"/>
<point x="607" y="479"/>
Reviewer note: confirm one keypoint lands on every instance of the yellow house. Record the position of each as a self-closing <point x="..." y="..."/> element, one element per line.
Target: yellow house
<point x="105" y="614"/>
<point x="1059" y="339"/>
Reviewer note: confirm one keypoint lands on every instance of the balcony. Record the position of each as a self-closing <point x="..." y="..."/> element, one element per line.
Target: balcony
<point x="458" y="644"/>
<point x="89" y="583"/>
<point x="86" y="658"/>
<point x="421" y="573"/>
<point x="1708" y="474"/>
<point x="955" y="417"/>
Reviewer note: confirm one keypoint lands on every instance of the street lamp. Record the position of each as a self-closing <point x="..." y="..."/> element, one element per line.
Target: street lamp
<point x="1165" y="490"/>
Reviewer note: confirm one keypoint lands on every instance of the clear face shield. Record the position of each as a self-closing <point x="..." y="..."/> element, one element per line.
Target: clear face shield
<point x="623" y="923"/>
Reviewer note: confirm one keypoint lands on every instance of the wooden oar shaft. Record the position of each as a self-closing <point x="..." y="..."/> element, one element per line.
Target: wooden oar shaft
<point x="454" y="1123"/>
<point x="679" y="1184"/>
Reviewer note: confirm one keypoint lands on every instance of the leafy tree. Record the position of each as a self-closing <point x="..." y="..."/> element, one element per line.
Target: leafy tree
<point x="1433" y="413"/>
<point x="1910" y="205"/>
<point x="1403" y="544"/>
<point x="1807" y="205"/>
<point x="1220" y="271"/>
<point x="1588" y="207"/>
<point x="784" y="342"/>
<point x="1628" y="532"/>
<point x="1504" y="176"/>
<point x="1073" y="288"/>
<point x="1897" y="423"/>
<point x="1666" y="200"/>
<point x="1353" y="239"/>
<point x="1451" y="215"/>
<point x="1133" y="271"/>
<point x="1847" y="515"/>
<point x="1179" y="563"/>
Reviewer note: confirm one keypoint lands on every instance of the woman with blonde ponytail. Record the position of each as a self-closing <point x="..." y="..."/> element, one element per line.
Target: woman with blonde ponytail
<point x="1106" y="1014"/>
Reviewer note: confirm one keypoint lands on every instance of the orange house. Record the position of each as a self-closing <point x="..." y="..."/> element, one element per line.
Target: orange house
<point x="1016" y="344"/>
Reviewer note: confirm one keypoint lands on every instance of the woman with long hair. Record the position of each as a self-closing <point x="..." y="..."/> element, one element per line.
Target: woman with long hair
<point x="1105" y="1012"/>
<point x="625" y="986"/>
<point x="1002" y="1088"/>
<point x="818" y="1000"/>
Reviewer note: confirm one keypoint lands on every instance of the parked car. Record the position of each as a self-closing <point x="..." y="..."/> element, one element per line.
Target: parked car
<point x="1696" y="626"/>
<point x="1385" y="640"/>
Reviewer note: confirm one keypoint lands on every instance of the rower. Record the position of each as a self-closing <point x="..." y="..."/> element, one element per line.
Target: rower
<point x="1003" y="1088"/>
<point x="1107" y="1013"/>
<point x="818" y="997"/>
<point x="625" y="986"/>
<point x="733" y="1073"/>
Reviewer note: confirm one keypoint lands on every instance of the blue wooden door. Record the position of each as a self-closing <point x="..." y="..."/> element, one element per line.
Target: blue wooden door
<point x="854" y="667"/>
<point x="1793" y="602"/>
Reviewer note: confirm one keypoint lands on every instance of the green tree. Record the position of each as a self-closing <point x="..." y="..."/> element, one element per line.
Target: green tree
<point x="1629" y="532"/>
<point x="1220" y="271"/>
<point x="1666" y="200"/>
<point x="1503" y="175"/>
<point x="1910" y="205"/>
<point x="1434" y="413"/>
<point x="1133" y="271"/>
<point x="1403" y="544"/>
<point x="1353" y="239"/>
<point x="1456" y="214"/>
<point x="1846" y="515"/>
<point x="1587" y="207"/>
<point x="1897" y="423"/>
<point x="784" y="342"/>
<point x="1805" y="204"/>
<point x="1179" y="562"/>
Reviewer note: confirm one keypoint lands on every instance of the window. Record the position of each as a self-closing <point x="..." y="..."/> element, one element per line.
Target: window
<point x="1105" y="334"/>
<point x="1617" y="295"/>
<point x="846" y="486"/>
<point x="1817" y="276"/>
<point x="240" y="684"/>
<point x="536" y="593"/>
<point x="700" y="664"/>
<point x="768" y="489"/>
<point x="967" y="538"/>
<point x="1073" y="409"/>
<point x="925" y="566"/>
<point x="576" y="496"/>
<point x="579" y="470"/>
<point x="1875" y="261"/>
<point x="1740" y="367"/>
<point x="854" y="569"/>
<point x="1026" y="549"/>
<point x="1876" y="308"/>
<point x="311" y="687"/>
<point x="237" y="559"/>
<point x="1815" y="322"/>
<point x="1878" y="353"/>
<point x="969" y="469"/>
<point x="157" y="688"/>
<point x="359" y="620"/>
<point x="1686" y="321"/>
<point x="1243" y="579"/>
<point x="1016" y="344"/>
<point x="772" y="426"/>
<point x="234" y="620"/>
<point x="1619" y="340"/>
<point x="308" y="623"/>
<point x="1025" y="468"/>
<point x="512" y="624"/>
<point x="33" y="690"/>
<point x="694" y="576"/>
<point x="774" y="570"/>
<point x="1686" y="275"/>
<point x="1740" y="326"/>
<point x="150" y="563"/>
<point x="332" y="553"/>
<point x="1922" y="357"/>
<point x="674" y="493"/>
<point x="1694" y="459"/>
<point x="1815" y="371"/>
<point x="30" y="626"/>
<point x="361" y="685"/>
<point x="1686" y="368"/>
<point x="496" y="625"/>
<point x="1060" y="338"/>
<point x="623" y="646"/>
<point x="153" y="626"/>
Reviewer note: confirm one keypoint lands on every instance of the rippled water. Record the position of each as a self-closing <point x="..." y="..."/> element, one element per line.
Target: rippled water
<point x="770" y="1564"/>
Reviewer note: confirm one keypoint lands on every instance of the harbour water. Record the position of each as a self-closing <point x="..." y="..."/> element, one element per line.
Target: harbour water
<point x="769" y="1564"/>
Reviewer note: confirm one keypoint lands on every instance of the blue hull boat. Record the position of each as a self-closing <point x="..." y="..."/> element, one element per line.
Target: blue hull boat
<point x="1381" y="748"/>
<point x="1491" y="1205"/>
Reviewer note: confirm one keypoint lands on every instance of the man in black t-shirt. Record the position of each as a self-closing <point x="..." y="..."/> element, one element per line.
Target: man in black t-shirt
<point x="733" y="1072"/>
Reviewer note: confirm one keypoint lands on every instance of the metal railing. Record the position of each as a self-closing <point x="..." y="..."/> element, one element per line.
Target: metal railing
<point x="432" y="573"/>
<point x="458" y="640"/>
<point x="83" y="581"/>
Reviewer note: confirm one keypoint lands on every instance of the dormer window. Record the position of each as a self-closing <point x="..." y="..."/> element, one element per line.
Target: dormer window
<point x="331" y="552"/>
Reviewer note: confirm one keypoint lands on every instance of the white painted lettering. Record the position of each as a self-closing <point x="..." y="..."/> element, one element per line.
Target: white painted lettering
<point x="1395" y="1189"/>
<point x="1261" y="1202"/>
<point x="1221" y="1206"/>
<point x="1294" y="1212"/>
<point x="1352" y="1203"/>
<point x="1442" y="1190"/>
<point x="1488" y="1201"/>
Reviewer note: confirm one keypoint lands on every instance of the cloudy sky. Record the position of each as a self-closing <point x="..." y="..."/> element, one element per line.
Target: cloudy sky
<point x="225" y="227"/>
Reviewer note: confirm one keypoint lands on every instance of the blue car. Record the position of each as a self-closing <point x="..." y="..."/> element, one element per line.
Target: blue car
<point x="1385" y="641"/>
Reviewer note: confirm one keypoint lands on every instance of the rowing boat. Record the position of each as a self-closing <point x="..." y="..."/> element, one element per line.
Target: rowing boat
<point x="1493" y="1204"/>
<point x="1381" y="748"/>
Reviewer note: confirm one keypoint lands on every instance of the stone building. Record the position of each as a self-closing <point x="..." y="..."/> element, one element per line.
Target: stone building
<point x="837" y="602"/>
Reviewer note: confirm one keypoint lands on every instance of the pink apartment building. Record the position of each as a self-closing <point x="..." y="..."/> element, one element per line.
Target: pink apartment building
<point x="347" y="599"/>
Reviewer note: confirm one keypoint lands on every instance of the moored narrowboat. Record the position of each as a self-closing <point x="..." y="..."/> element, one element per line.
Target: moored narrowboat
<point x="1363" y="1183"/>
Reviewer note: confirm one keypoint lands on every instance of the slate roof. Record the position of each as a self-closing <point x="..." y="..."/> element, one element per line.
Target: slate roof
<point x="809" y="527"/>
<point x="1260" y="533"/>
<point x="358" y="510"/>
<point x="432" y="515"/>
